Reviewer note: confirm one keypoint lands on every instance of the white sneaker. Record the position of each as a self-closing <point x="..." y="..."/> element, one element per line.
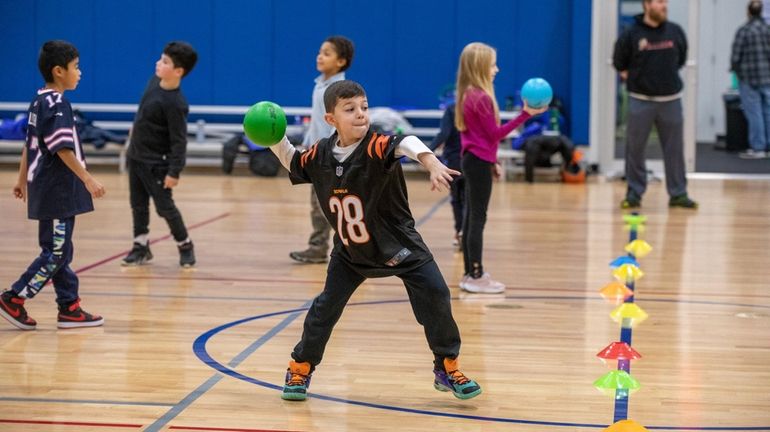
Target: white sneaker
<point x="752" y="154"/>
<point x="482" y="285"/>
<point x="463" y="281"/>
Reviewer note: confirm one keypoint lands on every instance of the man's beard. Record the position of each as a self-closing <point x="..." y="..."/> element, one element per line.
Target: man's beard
<point x="658" y="17"/>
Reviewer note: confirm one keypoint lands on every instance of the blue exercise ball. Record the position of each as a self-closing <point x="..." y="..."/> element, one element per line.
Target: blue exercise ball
<point x="537" y="92"/>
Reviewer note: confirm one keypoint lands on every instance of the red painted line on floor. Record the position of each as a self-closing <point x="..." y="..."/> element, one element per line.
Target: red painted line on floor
<point x="196" y="428"/>
<point x="66" y="423"/>
<point x="165" y="237"/>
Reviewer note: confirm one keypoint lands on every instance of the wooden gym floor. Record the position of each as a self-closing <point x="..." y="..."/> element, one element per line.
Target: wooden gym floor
<point x="206" y="349"/>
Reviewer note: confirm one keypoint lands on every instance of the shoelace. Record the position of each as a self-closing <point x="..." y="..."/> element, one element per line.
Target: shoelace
<point x="297" y="379"/>
<point x="458" y="377"/>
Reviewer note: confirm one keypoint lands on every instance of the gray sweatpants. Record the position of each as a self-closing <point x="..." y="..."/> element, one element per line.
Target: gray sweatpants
<point x="669" y="121"/>
<point x="319" y="238"/>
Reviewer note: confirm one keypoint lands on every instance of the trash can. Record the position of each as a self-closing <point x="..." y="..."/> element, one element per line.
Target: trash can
<point x="737" y="129"/>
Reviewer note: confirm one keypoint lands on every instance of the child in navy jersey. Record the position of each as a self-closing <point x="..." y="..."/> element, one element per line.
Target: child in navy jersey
<point x="56" y="185"/>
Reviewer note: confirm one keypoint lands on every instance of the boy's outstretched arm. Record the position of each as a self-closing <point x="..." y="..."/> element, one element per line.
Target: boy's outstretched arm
<point x="20" y="188"/>
<point x="94" y="187"/>
<point x="284" y="151"/>
<point x="413" y="148"/>
<point x="440" y="175"/>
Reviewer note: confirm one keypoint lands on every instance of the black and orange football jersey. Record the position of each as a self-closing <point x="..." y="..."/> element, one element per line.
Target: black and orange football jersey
<point x="365" y="200"/>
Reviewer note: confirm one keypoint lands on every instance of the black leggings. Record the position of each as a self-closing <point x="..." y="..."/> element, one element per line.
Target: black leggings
<point x="478" y="189"/>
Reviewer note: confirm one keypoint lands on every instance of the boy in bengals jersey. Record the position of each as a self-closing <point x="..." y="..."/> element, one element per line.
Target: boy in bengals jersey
<point x="358" y="179"/>
<point x="56" y="185"/>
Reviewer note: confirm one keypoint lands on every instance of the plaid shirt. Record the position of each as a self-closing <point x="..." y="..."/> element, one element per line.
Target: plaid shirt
<point x="751" y="53"/>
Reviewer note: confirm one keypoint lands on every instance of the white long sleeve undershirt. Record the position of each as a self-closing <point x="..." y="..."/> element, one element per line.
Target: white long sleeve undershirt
<point x="410" y="146"/>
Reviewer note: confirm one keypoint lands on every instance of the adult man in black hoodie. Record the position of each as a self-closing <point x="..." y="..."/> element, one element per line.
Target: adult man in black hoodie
<point x="648" y="56"/>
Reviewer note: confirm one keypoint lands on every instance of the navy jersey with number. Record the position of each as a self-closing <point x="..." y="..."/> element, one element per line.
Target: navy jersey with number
<point x="364" y="198"/>
<point x="54" y="191"/>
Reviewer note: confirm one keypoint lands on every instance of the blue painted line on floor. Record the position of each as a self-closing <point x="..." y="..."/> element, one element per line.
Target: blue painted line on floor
<point x="432" y="211"/>
<point x="199" y="347"/>
<point x="238" y="359"/>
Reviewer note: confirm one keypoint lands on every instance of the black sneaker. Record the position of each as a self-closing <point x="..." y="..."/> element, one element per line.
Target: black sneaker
<point x="631" y="202"/>
<point x="12" y="309"/>
<point x="682" y="201"/>
<point x="187" y="255"/>
<point x="139" y="255"/>
<point x="310" y="256"/>
<point x="73" y="316"/>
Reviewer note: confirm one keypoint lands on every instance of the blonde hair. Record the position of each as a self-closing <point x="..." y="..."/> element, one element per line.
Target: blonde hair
<point x="476" y="61"/>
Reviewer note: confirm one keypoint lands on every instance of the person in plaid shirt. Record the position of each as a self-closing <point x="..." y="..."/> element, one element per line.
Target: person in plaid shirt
<point x="751" y="63"/>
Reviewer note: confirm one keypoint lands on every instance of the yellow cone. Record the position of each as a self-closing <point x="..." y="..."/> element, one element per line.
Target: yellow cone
<point x="639" y="248"/>
<point x="626" y="426"/>
<point x="628" y="273"/>
<point x="628" y="311"/>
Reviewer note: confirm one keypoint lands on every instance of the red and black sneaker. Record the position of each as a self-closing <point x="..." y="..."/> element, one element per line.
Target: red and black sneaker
<point x="73" y="316"/>
<point x="12" y="309"/>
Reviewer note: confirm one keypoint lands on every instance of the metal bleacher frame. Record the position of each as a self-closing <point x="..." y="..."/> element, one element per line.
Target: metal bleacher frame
<point x="205" y="139"/>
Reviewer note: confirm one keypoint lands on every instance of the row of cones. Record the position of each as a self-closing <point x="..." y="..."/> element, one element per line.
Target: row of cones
<point x="625" y="269"/>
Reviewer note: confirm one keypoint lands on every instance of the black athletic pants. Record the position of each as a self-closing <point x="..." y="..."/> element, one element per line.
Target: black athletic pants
<point x="145" y="181"/>
<point x="428" y="294"/>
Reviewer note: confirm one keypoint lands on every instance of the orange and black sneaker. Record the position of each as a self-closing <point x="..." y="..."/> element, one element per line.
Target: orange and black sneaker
<point x="297" y="381"/>
<point x="12" y="309"/>
<point x="451" y="379"/>
<point x="73" y="316"/>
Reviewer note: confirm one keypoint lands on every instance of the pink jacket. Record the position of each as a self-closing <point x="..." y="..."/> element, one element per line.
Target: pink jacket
<point x="482" y="134"/>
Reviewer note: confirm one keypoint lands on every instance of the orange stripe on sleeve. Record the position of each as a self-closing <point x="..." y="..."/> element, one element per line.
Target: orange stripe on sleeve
<point x="371" y="142"/>
<point x="382" y="143"/>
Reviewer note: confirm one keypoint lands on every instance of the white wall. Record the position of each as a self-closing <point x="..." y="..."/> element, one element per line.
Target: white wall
<point x="719" y="20"/>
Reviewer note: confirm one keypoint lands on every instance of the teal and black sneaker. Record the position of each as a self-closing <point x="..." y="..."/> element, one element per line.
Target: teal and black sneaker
<point x="682" y="201"/>
<point x="451" y="379"/>
<point x="297" y="381"/>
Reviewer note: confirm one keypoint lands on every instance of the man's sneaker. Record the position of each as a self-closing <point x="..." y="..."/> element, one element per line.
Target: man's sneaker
<point x="482" y="285"/>
<point x="73" y="316"/>
<point x="12" y="309"/>
<point x="682" y="201"/>
<point x="297" y="381"/>
<point x="139" y="255"/>
<point x="310" y="256"/>
<point x="630" y="203"/>
<point x="187" y="255"/>
<point x="451" y="379"/>
<point x="752" y="154"/>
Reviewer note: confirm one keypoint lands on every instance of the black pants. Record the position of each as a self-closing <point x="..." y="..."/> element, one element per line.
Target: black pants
<point x="428" y="294"/>
<point x="457" y="194"/>
<point x="145" y="181"/>
<point x="478" y="189"/>
<point x="56" y="251"/>
<point x="539" y="149"/>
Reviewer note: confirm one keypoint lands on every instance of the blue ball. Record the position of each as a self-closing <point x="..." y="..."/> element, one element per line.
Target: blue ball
<point x="537" y="92"/>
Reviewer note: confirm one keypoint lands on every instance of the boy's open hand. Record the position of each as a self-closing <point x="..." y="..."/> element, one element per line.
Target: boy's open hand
<point x="441" y="176"/>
